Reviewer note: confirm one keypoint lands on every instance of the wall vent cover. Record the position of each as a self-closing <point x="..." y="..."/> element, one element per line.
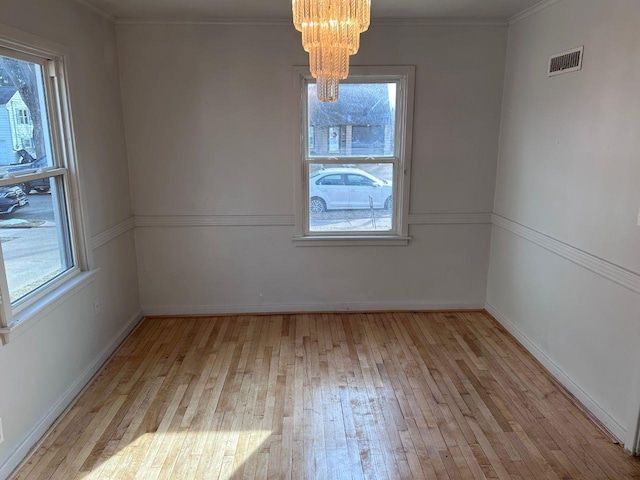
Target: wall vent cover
<point x="565" y="62"/>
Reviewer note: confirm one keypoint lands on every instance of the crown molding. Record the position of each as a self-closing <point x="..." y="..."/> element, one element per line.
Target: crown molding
<point x="203" y="21"/>
<point x="103" y="13"/>
<point x="441" y="22"/>
<point x="402" y="22"/>
<point x="538" y="7"/>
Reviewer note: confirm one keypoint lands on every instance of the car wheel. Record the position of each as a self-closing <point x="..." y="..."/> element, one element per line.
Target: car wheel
<point x="26" y="188"/>
<point x="388" y="205"/>
<point x="42" y="190"/>
<point x="317" y="205"/>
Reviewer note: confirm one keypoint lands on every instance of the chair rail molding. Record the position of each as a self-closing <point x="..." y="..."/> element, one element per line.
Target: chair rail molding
<point x="146" y="221"/>
<point x="112" y="233"/>
<point x="449" y="218"/>
<point x="213" y="220"/>
<point x="604" y="268"/>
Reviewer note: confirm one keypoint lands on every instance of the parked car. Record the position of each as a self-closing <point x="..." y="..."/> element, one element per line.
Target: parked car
<point x="348" y="188"/>
<point x="12" y="198"/>
<point x="42" y="185"/>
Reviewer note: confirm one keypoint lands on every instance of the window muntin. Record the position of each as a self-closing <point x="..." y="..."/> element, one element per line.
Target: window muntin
<point x="36" y="234"/>
<point x="312" y="137"/>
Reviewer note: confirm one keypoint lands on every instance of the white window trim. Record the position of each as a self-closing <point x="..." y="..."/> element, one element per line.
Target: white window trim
<point x="51" y="56"/>
<point x="404" y="128"/>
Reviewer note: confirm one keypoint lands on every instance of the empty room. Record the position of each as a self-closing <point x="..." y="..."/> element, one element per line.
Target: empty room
<point x="319" y="239"/>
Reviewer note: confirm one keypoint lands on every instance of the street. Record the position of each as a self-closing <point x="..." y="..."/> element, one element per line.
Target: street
<point x="351" y="221"/>
<point x="30" y="246"/>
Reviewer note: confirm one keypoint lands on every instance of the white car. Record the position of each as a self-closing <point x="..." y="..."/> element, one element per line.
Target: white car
<point x="348" y="188"/>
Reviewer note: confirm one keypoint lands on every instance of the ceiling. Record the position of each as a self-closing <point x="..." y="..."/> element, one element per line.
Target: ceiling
<point x="280" y="9"/>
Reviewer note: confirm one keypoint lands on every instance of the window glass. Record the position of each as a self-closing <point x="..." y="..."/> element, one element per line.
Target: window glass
<point x="25" y="141"/>
<point x="330" y="180"/>
<point x="34" y="236"/>
<point x="363" y="203"/>
<point x="360" y="181"/>
<point x="360" y="124"/>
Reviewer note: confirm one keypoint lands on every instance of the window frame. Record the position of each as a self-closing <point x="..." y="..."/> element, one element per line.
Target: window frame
<point x="404" y="77"/>
<point x="51" y="57"/>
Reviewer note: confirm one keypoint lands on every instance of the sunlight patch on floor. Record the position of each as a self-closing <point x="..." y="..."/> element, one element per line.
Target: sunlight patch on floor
<point x="160" y="453"/>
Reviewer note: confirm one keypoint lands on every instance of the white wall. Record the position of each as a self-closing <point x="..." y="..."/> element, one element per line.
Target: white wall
<point x="208" y="112"/>
<point x="565" y="253"/>
<point x="42" y="369"/>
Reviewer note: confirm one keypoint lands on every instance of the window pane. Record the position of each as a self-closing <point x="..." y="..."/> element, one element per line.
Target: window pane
<point x="351" y="198"/>
<point x="34" y="236"/>
<point x="360" y="124"/>
<point x="25" y="141"/>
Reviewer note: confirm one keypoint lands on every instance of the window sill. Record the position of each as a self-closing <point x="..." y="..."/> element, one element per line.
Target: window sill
<point x="351" y="241"/>
<point x="35" y="312"/>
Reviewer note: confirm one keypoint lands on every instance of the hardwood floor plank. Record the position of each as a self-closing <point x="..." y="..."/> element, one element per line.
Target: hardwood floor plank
<point x="446" y="395"/>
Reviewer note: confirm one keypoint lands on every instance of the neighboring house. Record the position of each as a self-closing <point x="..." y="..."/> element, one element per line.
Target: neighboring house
<point x="369" y="131"/>
<point x="16" y="126"/>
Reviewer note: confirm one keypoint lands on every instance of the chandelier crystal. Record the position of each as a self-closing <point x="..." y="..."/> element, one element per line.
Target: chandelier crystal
<point x="330" y="33"/>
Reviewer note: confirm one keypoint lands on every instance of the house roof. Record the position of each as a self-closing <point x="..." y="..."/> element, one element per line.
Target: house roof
<point x="6" y="93"/>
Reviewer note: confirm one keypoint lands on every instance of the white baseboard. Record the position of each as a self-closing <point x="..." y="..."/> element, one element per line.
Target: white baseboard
<point x="38" y="431"/>
<point x="600" y="413"/>
<point x="310" y="307"/>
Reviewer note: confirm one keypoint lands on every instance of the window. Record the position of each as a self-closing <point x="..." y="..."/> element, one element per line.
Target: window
<point x="360" y="181"/>
<point x="41" y="242"/>
<point x="331" y="180"/>
<point x="23" y="117"/>
<point x="354" y="162"/>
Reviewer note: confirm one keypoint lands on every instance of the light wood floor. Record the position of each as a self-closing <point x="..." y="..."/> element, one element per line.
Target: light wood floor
<point x="344" y="396"/>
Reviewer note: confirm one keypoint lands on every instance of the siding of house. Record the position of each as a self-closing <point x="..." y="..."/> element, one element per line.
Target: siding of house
<point x="13" y="134"/>
<point x="7" y="153"/>
<point x="21" y="132"/>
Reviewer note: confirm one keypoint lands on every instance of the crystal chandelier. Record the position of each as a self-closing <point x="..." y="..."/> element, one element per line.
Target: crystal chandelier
<point x="330" y="33"/>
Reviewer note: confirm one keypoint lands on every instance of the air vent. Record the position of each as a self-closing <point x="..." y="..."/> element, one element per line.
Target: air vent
<point x="565" y="62"/>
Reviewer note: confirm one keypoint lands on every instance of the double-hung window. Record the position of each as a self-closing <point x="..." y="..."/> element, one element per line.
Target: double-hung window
<point x="42" y="246"/>
<point x="353" y="162"/>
